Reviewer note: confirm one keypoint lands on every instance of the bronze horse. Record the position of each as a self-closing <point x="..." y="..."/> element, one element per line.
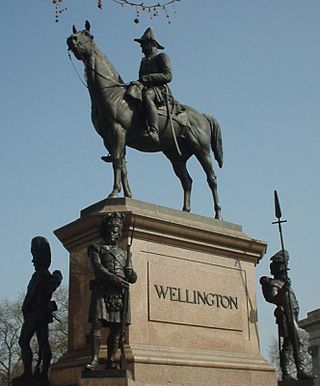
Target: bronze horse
<point x="121" y="122"/>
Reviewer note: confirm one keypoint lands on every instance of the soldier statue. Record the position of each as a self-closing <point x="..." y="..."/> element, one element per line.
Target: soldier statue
<point x="37" y="312"/>
<point x="113" y="271"/>
<point x="278" y="291"/>
<point x="155" y="73"/>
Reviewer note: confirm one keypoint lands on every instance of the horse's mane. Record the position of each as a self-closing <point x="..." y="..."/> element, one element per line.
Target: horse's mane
<point x="109" y="66"/>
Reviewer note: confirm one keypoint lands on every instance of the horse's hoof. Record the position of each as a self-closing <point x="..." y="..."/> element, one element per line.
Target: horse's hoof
<point x="186" y="209"/>
<point x="128" y="195"/>
<point x="113" y="195"/>
<point x="218" y="216"/>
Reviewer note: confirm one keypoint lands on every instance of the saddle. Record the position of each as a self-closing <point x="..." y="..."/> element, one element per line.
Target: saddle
<point x="164" y="102"/>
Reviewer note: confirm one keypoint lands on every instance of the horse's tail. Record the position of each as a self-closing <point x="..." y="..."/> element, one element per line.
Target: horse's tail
<point x="216" y="139"/>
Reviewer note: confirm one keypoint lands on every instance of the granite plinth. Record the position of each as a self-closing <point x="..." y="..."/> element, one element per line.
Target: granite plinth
<point x="193" y="308"/>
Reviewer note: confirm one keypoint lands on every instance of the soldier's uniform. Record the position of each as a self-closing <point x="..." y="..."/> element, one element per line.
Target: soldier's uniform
<point x="155" y="72"/>
<point x="37" y="310"/>
<point x="109" y="306"/>
<point x="278" y="291"/>
<point x="106" y="296"/>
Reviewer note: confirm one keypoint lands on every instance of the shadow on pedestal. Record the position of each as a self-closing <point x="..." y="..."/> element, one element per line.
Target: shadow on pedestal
<point x="29" y="382"/>
<point x="301" y="382"/>
<point x="105" y="373"/>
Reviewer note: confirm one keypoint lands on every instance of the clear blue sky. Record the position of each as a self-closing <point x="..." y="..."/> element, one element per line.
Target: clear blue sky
<point x="253" y="64"/>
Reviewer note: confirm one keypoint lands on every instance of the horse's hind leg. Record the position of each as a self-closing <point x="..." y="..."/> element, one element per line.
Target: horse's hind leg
<point x="180" y="169"/>
<point x="205" y="161"/>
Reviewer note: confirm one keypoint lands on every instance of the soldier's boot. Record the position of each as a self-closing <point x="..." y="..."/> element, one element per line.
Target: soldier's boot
<point x="284" y="364"/>
<point x="301" y="373"/>
<point x="26" y="356"/>
<point x="95" y="348"/>
<point x="46" y="360"/>
<point x="112" y="345"/>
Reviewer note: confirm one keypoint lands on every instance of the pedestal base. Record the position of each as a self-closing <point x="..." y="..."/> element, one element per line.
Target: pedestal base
<point x="193" y="307"/>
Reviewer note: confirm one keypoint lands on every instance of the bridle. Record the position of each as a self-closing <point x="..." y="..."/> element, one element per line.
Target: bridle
<point x="114" y="84"/>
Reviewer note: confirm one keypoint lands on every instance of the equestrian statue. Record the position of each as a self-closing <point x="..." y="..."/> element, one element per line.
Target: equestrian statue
<point x="144" y="115"/>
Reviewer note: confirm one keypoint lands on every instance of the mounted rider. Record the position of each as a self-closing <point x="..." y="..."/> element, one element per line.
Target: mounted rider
<point x="155" y="73"/>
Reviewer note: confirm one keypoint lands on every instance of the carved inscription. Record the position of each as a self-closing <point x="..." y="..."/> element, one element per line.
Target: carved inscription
<point x="176" y="294"/>
<point x="197" y="295"/>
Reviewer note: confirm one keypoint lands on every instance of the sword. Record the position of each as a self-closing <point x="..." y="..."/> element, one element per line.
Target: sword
<point x="171" y="123"/>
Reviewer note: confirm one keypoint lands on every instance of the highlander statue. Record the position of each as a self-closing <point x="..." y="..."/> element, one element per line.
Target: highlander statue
<point x="109" y="306"/>
<point x="37" y="312"/>
<point x="278" y="291"/>
<point x="145" y="116"/>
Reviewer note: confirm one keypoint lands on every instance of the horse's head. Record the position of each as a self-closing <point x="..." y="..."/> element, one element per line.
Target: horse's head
<point x="80" y="43"/>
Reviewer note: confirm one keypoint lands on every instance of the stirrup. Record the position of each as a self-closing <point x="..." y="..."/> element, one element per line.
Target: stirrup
<point x="152" y="133"/>
<point x="107" y="158"/>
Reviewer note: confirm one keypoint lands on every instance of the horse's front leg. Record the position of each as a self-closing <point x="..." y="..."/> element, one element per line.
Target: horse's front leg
<point x="118" y="161"/>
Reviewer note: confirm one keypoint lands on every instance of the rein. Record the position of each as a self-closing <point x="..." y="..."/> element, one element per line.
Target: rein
<point x="115" y="84"/>
<point x="76" y="71"/>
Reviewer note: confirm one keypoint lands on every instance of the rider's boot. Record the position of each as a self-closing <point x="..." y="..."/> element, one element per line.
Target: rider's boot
<point x="153" y="123"/>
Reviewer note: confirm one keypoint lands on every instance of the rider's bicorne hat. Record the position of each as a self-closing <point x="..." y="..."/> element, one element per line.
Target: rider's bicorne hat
<point x="149" y="35"/>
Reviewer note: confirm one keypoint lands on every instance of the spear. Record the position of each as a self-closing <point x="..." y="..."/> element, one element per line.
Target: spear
<point x="292" y="321"/>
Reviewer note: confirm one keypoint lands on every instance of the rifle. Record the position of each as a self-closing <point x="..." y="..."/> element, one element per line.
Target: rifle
<point x="125" y="305"/>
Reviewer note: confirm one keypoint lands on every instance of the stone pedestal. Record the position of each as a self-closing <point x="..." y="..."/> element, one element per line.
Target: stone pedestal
<point x="194" y="312"/>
